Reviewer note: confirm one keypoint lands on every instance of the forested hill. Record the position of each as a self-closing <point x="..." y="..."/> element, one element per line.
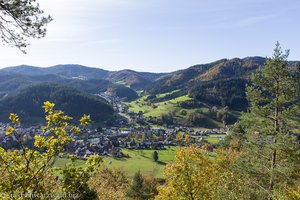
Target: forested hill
<point x="221" y="83"/>
<point x="28" y="102"/>
<point x="12" y="82"/>
<point x="221" y="69"/>
<point x="136" y="80"/>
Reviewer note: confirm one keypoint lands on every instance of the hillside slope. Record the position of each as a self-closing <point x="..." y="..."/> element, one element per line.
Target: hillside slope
<point x="221" y="69"/>
<point x="136" y="80"/>
<point x="28" y="103"/>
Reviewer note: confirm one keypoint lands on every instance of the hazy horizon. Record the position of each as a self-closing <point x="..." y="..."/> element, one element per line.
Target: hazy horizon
<point x="103" y="68"/>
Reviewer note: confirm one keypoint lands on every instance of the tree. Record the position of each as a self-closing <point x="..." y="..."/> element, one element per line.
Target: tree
<point x="270" y="159"/>
<point x="75" y="179"/>
<point x="140" y="188"/>
<point x="167" y="119"/>
<point x="21" y="20"/>
<point x="193" y="176"/>
<point x="110" y="184"/>
<point x="188" y="176"/>
<point x="136" y="189"/>
<point x="30" y="170"/>
<point x="155" y="156"/>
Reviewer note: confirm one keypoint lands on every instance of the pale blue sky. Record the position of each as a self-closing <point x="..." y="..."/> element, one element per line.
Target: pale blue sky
<point x="160" y="35"/>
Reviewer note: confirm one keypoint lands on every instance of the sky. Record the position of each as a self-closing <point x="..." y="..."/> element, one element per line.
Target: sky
<point x="159" y="35"/>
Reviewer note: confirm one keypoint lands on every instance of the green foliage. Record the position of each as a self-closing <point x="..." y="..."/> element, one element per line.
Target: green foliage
<point x="228" y="92"/>
<point x="21" y="20"/>
<point x="197" y="118"/>
<point x="167" y="119"/>
<point x="29" y="100"/>
<point x="75" y="179"/>
<point x="140" y="189"/>
<point x="123" y="92"/>
<point x="269" y="163"/>
<point x="262" y="158"/>
<point x="28" y="171"/>
<point x="155" y="156"/>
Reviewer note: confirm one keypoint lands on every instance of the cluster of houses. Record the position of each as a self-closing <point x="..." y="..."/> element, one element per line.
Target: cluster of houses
<point x="109" y="141"/>
<point x="206" y="132"/>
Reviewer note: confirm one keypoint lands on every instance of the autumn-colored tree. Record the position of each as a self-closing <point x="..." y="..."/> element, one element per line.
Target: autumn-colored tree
<point x="110" y="184"/>
<point x="194" y="176"/>
<point x="29" y="171"/>
<point x="188" y="176"/>
<point x="74" y="181"/>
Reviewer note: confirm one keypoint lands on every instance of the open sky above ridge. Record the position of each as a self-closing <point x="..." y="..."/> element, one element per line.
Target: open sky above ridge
<point x="159" y="35"/>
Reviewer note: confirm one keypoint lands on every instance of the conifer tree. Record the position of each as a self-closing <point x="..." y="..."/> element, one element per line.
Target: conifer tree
<point x="270" y="162"/>
<point x="140" y="188"/>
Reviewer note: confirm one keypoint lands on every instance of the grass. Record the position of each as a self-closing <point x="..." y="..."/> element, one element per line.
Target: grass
<point x="171" y="106"/>
<point x="138" y="160"/>
<point x="165" y="94"/>
<point x="156" y="109"/>
<point x="214" y="138"/>
<point x="61" y="162"/>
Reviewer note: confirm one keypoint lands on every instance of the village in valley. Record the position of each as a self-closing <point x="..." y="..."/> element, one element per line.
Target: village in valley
<point x="109" y="141"/>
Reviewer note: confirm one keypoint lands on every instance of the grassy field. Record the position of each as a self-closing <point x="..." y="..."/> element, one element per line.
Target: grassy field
<point x="214" y="138"/>
<point x="156" y="109"/>
<point x="165" y="94"/>
<point x="170" y="106"/>
<point x="138" y="160"/>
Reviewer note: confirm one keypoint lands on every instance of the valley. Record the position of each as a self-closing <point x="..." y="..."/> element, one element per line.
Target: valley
<point x="205" y="96"/>
<point x="140" y="122"/>
<point x="176" y="100"/>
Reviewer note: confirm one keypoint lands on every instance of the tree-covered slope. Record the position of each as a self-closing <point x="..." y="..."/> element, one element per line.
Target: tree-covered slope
<point x="221" y="69"/>
<point x="136" y="80"/>
<point x="28" y="103"/>
<point x="123" y="92"/>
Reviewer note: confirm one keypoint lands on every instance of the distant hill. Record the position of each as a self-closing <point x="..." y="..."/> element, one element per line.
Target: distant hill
<point x="13" y="82"/>
<point x="28" y="103"/>
<point x="136" y="80"/>
<point x="65" y="71"/>
<point x="221" y="69"/>
<point x="220" y="83"/>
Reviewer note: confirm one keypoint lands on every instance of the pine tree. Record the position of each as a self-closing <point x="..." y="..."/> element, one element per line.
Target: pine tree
<point x="270" y="162"/>
<point x="140" y="188"/>
<point x="136" y="189"/>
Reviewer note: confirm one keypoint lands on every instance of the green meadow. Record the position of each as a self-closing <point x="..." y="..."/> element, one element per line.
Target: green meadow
<point x="138" y="160"/>
<point x="173" y="106"/>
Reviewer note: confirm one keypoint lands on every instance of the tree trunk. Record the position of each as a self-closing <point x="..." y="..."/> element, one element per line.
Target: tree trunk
<point x="273" y="159"/>
<point x="271" y="183"/>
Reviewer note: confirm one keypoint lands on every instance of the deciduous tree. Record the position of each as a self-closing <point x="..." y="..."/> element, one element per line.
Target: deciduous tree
<point x="27" y="171"/>
<point x="188" y="176"/>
